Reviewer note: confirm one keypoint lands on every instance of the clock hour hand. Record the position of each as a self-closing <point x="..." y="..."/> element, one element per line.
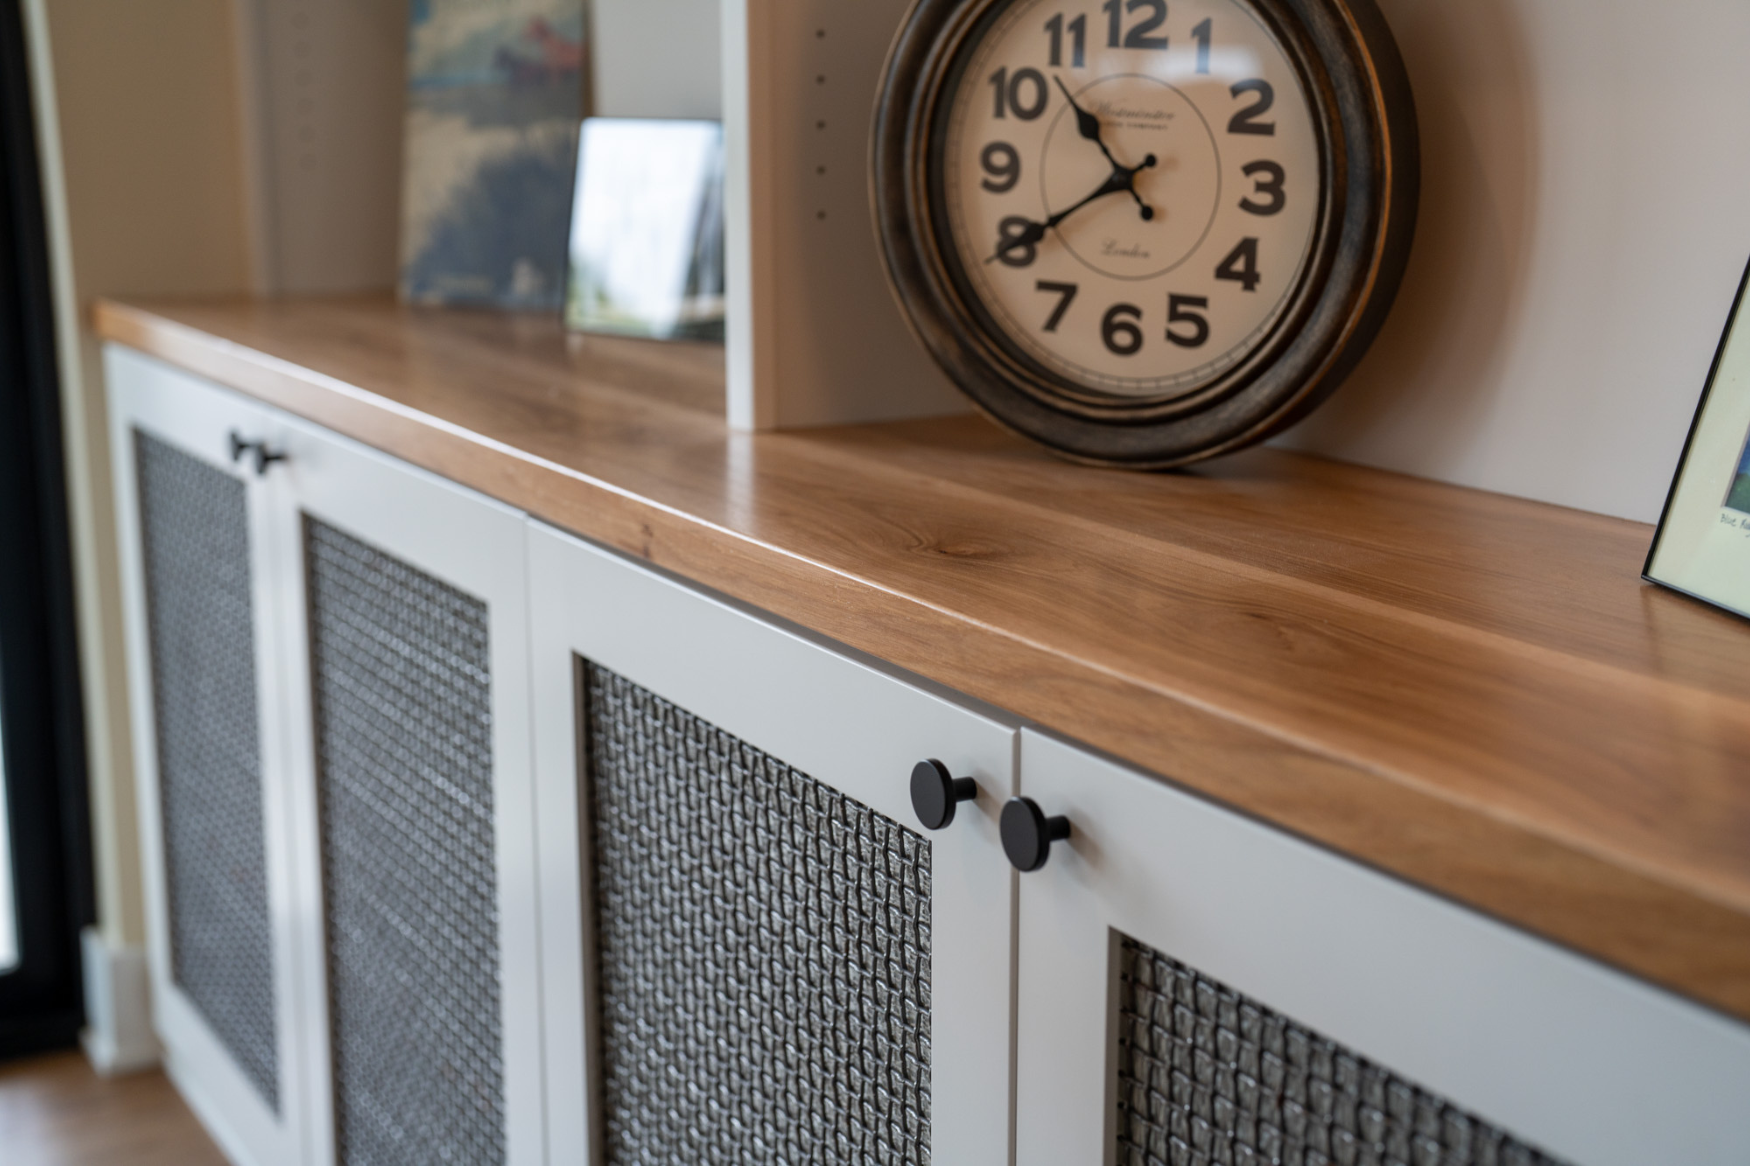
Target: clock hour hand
<point x="1089" y="127"/>
<point x="1086" y="123"/>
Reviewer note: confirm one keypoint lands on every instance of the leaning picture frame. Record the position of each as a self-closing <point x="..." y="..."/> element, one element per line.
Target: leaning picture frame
<point x="1702" y="544"/>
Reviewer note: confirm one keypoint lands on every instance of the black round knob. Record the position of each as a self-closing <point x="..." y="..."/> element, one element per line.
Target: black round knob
<point x="1028" y="834"/>
<point x="935" y="793"/>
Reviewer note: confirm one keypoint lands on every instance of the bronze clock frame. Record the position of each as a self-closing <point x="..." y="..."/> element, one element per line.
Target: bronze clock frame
<point x="1369" y="154"/>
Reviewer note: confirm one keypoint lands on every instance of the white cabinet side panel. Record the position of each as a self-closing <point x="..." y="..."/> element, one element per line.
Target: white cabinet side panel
<point x="841" y="351"/>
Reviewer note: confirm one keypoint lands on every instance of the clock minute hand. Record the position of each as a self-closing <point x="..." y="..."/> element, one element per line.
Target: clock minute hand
<point x="1034" y="232"/>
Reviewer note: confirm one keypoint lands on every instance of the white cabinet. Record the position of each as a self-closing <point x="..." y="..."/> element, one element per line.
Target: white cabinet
<point x="1184" y="970"/>
<point x="329" y="662"/>
<point x="468" y="840"/>
<point x="753" y="949"/>
<point x="200" y="571"/>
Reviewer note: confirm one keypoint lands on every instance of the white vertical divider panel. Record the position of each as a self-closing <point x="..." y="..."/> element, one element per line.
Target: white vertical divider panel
<point x="323" y="91"/>
<point x="843" y="722"/>
<point x="814" y="336"/>
<point x="198" y="419"/>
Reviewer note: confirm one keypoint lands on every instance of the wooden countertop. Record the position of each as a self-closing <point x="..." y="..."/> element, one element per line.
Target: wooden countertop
<point x="1474" y="692"/>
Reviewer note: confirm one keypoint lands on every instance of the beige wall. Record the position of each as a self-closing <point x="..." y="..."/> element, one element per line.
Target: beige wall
<point x="142" y="153"/>
<point x="1583" y="229"/>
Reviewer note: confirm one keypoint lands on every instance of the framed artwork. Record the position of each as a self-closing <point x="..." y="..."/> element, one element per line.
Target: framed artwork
<point x="1702" y="547"/>
<point x="647" y="229"/>
<point x="495" y="92"/>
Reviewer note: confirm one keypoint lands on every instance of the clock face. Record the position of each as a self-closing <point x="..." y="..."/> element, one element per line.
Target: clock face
<point x="1132" y="191"/>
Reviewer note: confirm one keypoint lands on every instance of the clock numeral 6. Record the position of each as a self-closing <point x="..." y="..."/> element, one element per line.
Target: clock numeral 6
<point x="1119" y="329"/>
<point x="1241" y="265"/>
<point x="1003" y="163"/>
<point x="1188" y="310"/>
<point x="1009" y="95"/>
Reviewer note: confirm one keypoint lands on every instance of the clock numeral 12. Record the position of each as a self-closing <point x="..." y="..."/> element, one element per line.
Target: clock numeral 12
<point x="1078" y="31"/>
<point x="1241" y="265"/>
<point x="1139" y="36"/>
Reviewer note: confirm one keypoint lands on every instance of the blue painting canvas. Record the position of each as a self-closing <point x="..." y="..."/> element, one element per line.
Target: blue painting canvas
<point x="495" y="96"/>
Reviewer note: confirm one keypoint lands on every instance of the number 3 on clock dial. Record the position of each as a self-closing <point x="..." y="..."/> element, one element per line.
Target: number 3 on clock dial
<point x="1106" y="153"/>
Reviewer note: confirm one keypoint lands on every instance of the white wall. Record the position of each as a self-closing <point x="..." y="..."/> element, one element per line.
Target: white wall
<point x="1585" y="221"/>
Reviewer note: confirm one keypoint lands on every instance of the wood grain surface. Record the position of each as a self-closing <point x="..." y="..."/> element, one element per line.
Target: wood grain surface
<point x="55" y="1111"/>
<point x="1473" y="692"/>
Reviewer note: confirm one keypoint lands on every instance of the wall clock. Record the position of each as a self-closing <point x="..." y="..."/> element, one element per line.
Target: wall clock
<point x="1145" y="232"/>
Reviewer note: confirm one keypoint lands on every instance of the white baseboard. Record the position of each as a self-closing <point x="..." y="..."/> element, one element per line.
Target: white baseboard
<point x="118" y="1036"/>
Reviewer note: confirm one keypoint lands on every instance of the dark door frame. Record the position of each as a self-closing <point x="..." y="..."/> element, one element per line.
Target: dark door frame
<point x="42" y="999"/>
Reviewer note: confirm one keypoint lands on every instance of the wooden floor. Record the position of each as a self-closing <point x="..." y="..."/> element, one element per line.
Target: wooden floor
<point x="54" y="1111"/>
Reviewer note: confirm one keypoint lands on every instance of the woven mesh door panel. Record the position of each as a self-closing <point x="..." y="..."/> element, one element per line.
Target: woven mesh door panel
<point x="194" y="526"/>
<point x="764" y="948"/>
<point x="404" y="744"/>
<point x="1207" y="1076"/>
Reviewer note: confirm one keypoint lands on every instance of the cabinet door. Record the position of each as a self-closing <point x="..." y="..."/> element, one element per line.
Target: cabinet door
<point x="753" y="950"/>
<point x="414" y="816"/>
<point x="197" y="574"/>
<point x="1196" y="987"/>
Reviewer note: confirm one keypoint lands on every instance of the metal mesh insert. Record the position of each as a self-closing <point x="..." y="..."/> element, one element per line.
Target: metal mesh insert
<point x="764" y="946"/>
<point x="1207" y="1076"/>
<point x="194" y="524"/>
<point x="404" y="744"/>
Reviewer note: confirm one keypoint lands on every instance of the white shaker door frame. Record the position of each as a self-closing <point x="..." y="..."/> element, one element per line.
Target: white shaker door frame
<point x="1588" y="1064"/>
<point x="199" y="419"/>
<point x="842" y="721"/>
<point x="477" y="546"/>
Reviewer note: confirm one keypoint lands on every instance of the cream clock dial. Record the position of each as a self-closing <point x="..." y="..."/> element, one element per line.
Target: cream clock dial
<point x="1145" y="231"/>
<point x="1133" y="190"/>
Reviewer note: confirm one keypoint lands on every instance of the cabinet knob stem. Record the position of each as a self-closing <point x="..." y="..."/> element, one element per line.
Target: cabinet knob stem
<point x="935" y="793"/>
<point x="264" y="457"/>
<point x="1028" y="834"/>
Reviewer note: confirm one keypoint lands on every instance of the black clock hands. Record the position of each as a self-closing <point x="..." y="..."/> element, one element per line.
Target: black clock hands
<point x="1122" y="180"/>
<point x="1089" y="127"/>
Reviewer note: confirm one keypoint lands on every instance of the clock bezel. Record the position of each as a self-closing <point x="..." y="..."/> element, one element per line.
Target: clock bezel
<point x="1365" y="119"/>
